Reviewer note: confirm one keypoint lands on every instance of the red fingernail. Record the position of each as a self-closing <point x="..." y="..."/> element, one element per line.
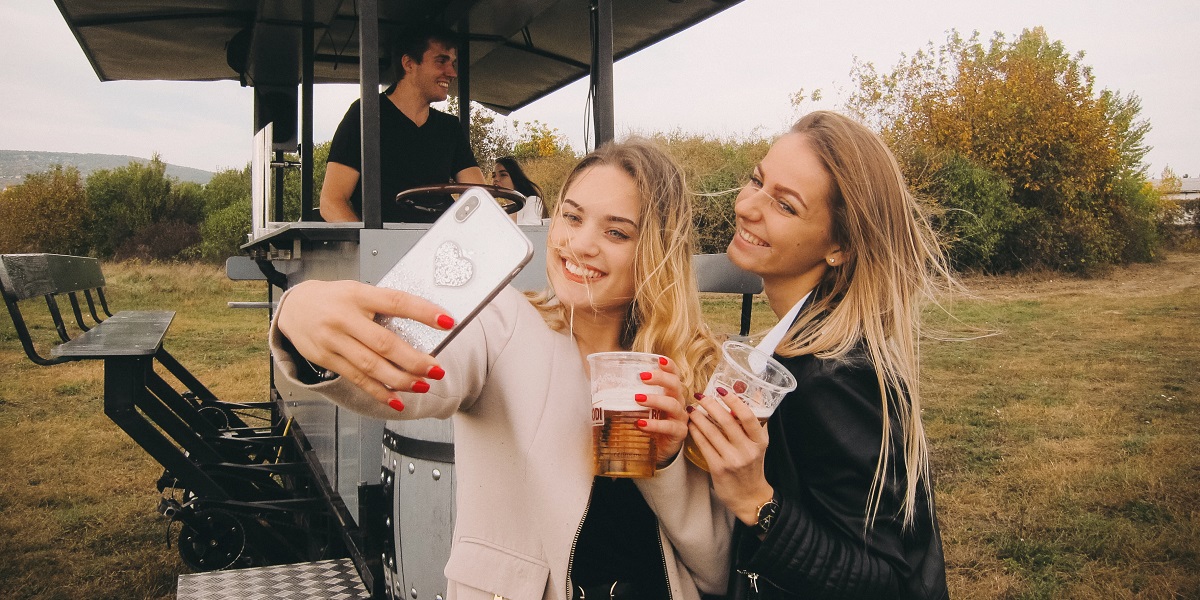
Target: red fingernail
<point x="645" y="375"/>
<point x="722" y="391"/>
<point x="639" y="397"/>
<point x="436" y="372"/>
<point x="641" y="423"/>
<point x="396" y="404"/>
<point x="420" y="387"/>
<point x="445" y="321"/>
<point x="662" y="360"/>
<point x="698" y="396"/>
<point x="690" y="409"/>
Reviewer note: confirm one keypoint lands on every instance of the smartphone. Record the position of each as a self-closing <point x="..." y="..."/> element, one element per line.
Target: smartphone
<point x="465" y="258"/>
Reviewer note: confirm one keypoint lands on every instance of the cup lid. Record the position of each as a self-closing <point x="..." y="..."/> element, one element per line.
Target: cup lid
<point x="769" y="373"/>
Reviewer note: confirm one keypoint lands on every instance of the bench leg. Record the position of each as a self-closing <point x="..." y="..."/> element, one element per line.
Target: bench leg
<point x="747" y="306"/>
<point x="194" y="386"/>
<point x="183" y="423"/>
<point x="124" y="383"/>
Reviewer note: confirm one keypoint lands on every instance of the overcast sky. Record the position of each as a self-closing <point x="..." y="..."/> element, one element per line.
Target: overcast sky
<point x="730" y="76"/>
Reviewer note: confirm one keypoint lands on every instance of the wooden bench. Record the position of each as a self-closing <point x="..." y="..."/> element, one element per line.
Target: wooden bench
<point x="245" y="494"/>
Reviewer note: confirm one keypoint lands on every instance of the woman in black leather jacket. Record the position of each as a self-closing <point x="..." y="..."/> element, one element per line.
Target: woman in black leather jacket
<point x="833" y="497"/>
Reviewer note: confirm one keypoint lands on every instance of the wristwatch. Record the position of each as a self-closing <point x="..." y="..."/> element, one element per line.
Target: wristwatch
<point x="767" y="512"/>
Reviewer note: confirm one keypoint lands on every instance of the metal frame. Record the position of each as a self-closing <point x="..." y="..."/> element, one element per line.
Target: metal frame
<point x="235" y="487"/>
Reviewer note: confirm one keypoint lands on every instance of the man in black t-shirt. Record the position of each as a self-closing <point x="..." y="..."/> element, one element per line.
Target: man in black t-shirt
<point x="418" y="144"/>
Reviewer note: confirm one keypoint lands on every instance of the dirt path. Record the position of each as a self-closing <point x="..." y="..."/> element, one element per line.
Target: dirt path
<point x="1176" y="272"/>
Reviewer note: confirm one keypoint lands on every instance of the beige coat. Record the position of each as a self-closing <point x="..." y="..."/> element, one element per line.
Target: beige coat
<point x="520" y="401"/>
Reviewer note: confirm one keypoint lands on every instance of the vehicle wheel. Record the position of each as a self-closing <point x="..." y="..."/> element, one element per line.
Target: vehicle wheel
<point x="212" y="540"/>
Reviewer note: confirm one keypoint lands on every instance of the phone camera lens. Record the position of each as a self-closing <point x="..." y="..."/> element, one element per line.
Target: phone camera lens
<point x="468" y="206"/>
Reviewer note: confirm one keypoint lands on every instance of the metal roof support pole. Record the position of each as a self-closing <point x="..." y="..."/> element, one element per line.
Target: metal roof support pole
<point x="306" y="115"/>
<point x="464" y="76"/>
<point x="602" y="72"/>
<point x="368" y="76"/>
<point x="280" y="166"/>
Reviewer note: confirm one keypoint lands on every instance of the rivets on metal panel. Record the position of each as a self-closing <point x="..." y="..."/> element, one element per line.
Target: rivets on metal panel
<point x="437" y="597"/>
<point x="393" y="464"/>
<point x="376" y="253"/>
<point x="388" y="481"/>
<point x="388" y="522"/>
<point x="413" y="592"/>
<point x="437" y="474"/>
<point x="412" y="468"/>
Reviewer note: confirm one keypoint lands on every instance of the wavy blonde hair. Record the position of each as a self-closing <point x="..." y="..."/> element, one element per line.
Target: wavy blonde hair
<point x="892" y="264"/>
<point x="664" y="317"/>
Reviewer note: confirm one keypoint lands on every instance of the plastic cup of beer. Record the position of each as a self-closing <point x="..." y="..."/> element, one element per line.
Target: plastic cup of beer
<point x="619" y="447"/>
<point x="757" y="378"/>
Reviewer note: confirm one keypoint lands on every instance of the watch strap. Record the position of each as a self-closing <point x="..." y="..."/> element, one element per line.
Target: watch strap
<point x="767" y="512"/>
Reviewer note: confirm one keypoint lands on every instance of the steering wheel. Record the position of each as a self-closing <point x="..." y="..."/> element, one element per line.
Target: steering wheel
<point x="434" y="196"/>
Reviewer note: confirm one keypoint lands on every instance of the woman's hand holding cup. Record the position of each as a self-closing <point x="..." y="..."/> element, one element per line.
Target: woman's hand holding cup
<point x="669" y="427"/>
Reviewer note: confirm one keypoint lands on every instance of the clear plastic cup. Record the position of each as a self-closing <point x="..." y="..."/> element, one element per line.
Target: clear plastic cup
<point x="757" y="378"/>
<point x="619" y="447"/>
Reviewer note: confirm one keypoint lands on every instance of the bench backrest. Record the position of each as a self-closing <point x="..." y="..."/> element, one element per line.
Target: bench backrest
<point x="716" y="273"/>
<point x="31" y="275"/>
<point x="50" y="276"/>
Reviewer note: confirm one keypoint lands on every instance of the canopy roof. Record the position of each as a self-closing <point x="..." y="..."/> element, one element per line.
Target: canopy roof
<point x="520" y="50"/>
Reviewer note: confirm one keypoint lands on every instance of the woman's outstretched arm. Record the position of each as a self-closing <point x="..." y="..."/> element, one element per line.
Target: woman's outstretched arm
<point x="331" y="324"/>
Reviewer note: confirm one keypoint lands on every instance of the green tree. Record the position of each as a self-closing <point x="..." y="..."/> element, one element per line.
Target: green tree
<point x="133" y="207"/>
<point x="226" y="215"/>
<point x="292" y="180"/>
<point x="973" y="211"/>
<point x="489" y="140"/>
<point x="47" y="212"/>
<point x="1024" y="109"/>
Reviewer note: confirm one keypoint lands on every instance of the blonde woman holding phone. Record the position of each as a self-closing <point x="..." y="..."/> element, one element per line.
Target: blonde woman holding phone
<point x="532" y="521"/>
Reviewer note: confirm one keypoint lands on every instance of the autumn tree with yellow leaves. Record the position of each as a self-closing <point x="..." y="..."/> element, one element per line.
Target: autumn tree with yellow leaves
<point x="1024" y="163"/>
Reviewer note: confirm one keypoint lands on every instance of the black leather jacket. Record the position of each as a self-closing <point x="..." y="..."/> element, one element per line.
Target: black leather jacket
<point x="824" y="443"/>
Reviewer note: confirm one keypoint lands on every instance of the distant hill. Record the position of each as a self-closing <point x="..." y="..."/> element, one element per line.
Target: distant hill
<point x="15" y="164"/>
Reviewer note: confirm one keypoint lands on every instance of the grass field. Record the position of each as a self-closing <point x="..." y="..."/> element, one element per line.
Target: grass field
<point x="1066" y="446"/>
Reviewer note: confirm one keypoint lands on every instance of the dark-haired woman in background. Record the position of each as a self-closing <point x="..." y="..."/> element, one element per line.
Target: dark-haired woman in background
<point x="508" y="174"/>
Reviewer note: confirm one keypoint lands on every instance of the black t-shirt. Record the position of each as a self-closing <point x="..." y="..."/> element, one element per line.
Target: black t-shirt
<point x="619" y="540"/>
<point x="409" y="156"/>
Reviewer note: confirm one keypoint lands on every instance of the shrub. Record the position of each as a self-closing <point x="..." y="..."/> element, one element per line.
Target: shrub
<point x="1028" y="110"/>
<point x="46" y="213"/>
<point x="973" y="211"/>
<point x="126" y="203"/>
<point x="223" y="232"/>
<point x="161" y="241"/>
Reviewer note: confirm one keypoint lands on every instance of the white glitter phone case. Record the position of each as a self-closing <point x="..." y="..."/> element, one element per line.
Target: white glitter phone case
<point x="469" y="254"/>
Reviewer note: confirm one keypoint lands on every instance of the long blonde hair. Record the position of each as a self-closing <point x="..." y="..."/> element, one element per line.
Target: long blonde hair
<point x="892" y="262"/>
<point x="664" y="317"/>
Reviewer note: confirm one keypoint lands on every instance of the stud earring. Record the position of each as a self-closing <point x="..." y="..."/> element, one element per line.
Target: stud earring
<point x="832" y="261"/>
